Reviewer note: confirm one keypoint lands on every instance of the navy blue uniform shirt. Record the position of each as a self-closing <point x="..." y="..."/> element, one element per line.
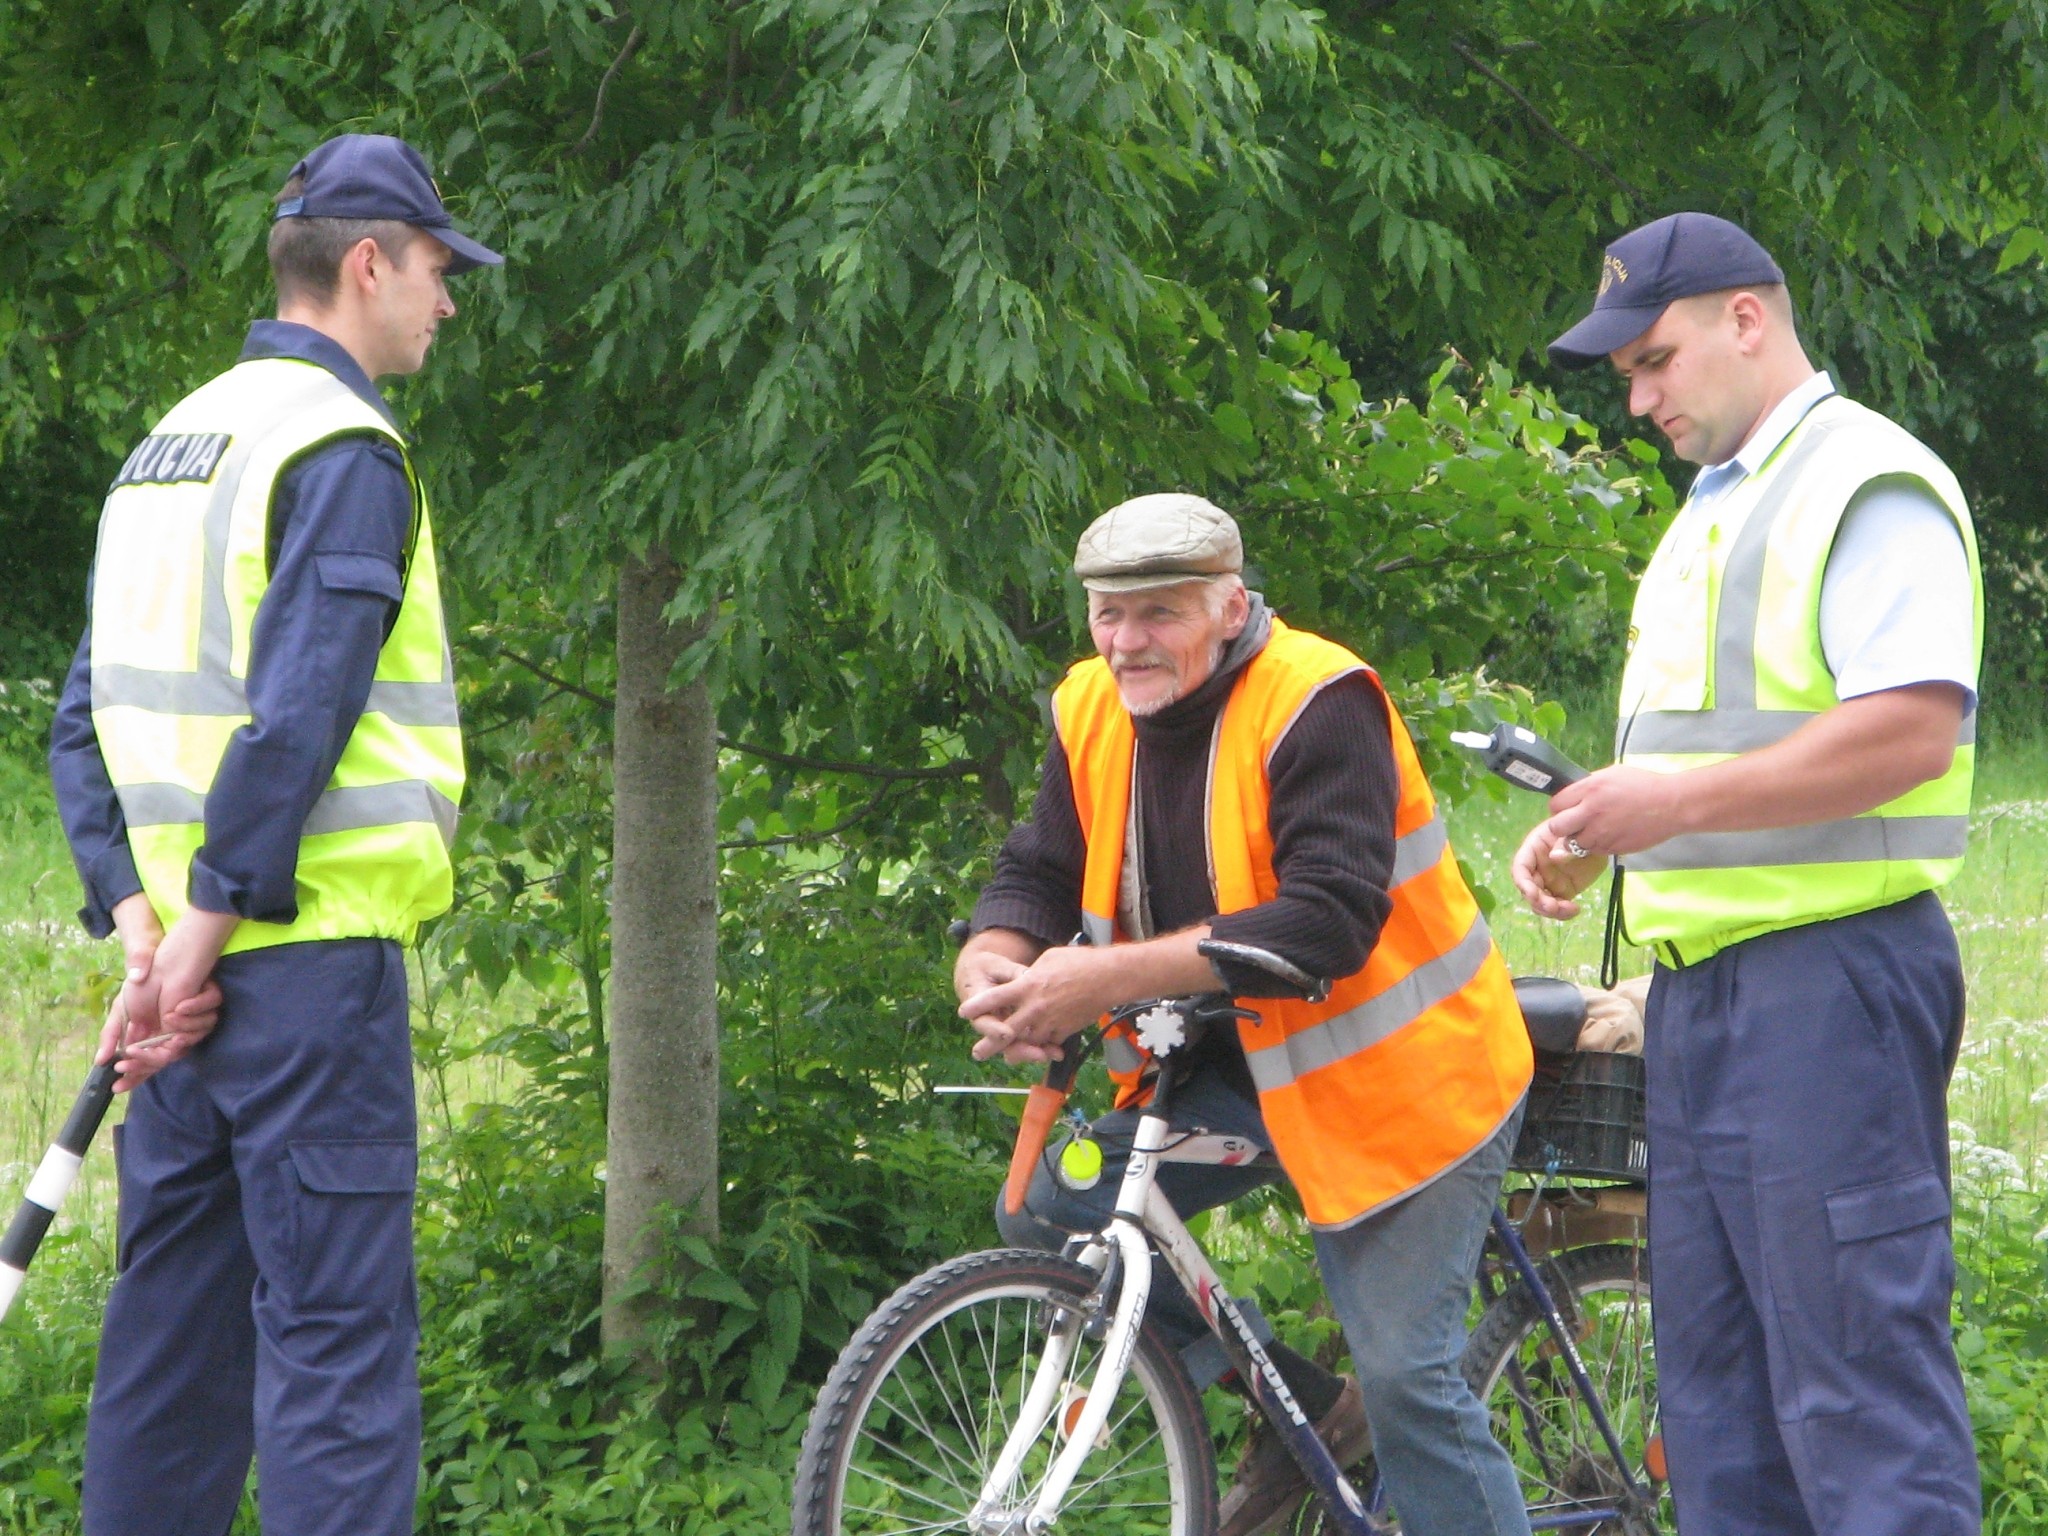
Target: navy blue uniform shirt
<point x="340" y="526"/>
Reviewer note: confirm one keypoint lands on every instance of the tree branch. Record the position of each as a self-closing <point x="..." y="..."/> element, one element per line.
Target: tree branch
<point x="959" y="770"/>
<point x="732" y="70"/>
<point x="526" y="62"/>
<point x="1464" y="51"/>
<point x="541" y="672"/>
<point x="72" y="333"/>
<point x="873" y="804"/>
<point x="597" y="110"/>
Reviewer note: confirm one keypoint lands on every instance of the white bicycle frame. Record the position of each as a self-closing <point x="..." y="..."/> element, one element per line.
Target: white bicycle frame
<point x="1143" y="1217"/>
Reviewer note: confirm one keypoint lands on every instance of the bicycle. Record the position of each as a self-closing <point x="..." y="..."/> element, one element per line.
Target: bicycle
<point x="1005" y="1390"/>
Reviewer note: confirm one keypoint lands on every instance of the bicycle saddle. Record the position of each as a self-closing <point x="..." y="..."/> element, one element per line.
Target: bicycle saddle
<point x="1554" y="1012"/>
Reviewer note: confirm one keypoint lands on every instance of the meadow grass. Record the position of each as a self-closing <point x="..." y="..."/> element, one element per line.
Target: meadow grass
<point x="55" y="981"/>
<point x="1999" y="905"/>
<point x="54" y="984"/>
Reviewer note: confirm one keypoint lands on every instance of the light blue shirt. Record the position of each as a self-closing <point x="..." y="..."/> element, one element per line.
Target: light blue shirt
<point x="1896" y="604"/>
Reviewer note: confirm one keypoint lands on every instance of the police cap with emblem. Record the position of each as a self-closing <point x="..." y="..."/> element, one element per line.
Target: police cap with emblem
<point x="374" y="176"/>
<point x="1674" y="258"/>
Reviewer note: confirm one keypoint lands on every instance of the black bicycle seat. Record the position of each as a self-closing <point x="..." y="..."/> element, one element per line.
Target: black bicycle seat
<point x="1554" y="1011"/>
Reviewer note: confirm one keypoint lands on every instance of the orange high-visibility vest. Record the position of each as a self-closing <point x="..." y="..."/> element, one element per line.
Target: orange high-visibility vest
<point x="1412" y="1062"/>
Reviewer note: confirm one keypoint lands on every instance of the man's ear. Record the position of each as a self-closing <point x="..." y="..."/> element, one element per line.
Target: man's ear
<point x="1752" y="319"/>
<point x="358" y="271"/>
<point x="1237" y="610"/>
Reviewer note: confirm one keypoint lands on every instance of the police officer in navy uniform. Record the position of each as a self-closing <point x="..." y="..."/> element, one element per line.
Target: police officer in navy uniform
<point x="1795" y="745"/>
<point x="257" y="761"/>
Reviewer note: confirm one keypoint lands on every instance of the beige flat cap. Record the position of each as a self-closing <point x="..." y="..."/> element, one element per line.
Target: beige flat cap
<point x="1157" y="540"/>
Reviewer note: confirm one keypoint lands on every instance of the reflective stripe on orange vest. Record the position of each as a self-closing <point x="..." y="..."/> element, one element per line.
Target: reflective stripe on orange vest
<point x="1412" y="1062"/>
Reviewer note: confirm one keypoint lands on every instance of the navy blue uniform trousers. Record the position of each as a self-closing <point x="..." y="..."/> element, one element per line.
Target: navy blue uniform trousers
<point x="266" y="1298"/>
<point x="1799" y="1214"/>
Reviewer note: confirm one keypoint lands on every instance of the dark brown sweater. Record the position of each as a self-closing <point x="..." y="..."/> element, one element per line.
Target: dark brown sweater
<point x="1334" y="783"/>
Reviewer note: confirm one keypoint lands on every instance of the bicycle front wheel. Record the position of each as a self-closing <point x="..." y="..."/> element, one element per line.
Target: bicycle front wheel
<point x="913" y="1417"/>
<point x="1514" y="1363"/>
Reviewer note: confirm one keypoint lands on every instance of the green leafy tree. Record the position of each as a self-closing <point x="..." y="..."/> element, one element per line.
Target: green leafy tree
<point x="828" y="324"/>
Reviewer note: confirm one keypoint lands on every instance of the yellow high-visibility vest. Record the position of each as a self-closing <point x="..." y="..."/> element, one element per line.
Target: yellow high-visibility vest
<point x="1725" y="657"/>
<point x="1409" y="1064"/>
<point x="182" y="563"/>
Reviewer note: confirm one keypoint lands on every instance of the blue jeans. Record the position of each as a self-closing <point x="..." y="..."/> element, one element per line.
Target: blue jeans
<point x="1399" y="1279"/>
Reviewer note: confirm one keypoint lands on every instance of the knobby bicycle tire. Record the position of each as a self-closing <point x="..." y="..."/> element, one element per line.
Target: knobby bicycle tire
<point x="919" y="1405"/>
<point x="1516" y="1367"/>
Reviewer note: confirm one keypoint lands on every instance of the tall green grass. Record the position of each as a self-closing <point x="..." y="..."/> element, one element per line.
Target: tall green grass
<point x="1999" y="905"/>
<point x="54" y="984"/>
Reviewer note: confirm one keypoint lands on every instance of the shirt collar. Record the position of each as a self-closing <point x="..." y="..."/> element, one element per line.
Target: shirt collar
<point x="1765" y="440"/>
<point x="301" y="343"/>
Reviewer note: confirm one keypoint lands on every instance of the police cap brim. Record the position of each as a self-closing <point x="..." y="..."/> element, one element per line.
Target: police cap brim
<point x="1603" y="331"/>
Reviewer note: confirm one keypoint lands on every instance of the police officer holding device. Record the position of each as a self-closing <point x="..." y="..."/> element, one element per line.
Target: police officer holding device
<point x="1793" y="781"/>
<point x="257" y="761"/>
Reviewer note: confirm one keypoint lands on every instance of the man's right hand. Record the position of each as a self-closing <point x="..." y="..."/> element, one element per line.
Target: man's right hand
<point x="141" y="1011"/>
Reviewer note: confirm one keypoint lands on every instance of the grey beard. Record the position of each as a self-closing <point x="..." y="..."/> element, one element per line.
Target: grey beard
<point x="1146" y="711"/>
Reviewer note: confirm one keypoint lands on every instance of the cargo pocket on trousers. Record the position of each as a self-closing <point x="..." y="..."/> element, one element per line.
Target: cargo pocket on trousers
<point x="1893" y="1260"/>
<point x="351" y="1223"/>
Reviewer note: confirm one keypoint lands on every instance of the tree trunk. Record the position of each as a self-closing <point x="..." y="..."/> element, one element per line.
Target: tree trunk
<point x="662" y="1135"/>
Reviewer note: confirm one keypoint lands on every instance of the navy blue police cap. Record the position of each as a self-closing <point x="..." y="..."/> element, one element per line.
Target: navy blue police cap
<point x="1673" y="258"/>
<point x="374" y="176"/>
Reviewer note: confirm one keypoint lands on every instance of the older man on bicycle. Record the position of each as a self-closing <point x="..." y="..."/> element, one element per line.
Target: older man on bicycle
<point x="1215" y="773"/>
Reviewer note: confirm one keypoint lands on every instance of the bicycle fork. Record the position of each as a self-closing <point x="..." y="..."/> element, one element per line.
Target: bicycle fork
<point x="1121" y="1254"/>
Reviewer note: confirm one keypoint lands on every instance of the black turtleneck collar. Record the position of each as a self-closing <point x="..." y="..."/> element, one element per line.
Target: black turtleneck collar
<point x="1196" y="713"/>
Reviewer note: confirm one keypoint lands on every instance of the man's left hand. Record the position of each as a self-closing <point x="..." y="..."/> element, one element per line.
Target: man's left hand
<point x="1062" y="992"/>
<point x="1617" y="810"/>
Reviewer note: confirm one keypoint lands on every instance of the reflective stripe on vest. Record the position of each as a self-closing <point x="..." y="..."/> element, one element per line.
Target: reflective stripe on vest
<point x="1413" y="1061"/>
<point x="181" y="569"/>
<point x="1735" y="645"/>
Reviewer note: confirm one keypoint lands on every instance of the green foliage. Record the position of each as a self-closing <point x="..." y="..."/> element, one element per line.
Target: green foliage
<point x="863" y="309"/>
<point x="47" y="1349"/>
<point x="26" y="705"/>
<point x="529" y="1428"/>
<point x="805" y="290"/>
<point x="2002" y="1254"/>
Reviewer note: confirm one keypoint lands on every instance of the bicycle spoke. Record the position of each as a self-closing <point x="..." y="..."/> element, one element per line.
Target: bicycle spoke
<point x="931" y="1434"/>
<point x="900" y="1530"/>
<point x="1113" y="1472"/>
<point x="918" y="1493"/>
<point x="945" y="1388"/>
<point x="1551" y="1432"/>
<point x="904" y="1456"/>
<point x="978" y="1434"/>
